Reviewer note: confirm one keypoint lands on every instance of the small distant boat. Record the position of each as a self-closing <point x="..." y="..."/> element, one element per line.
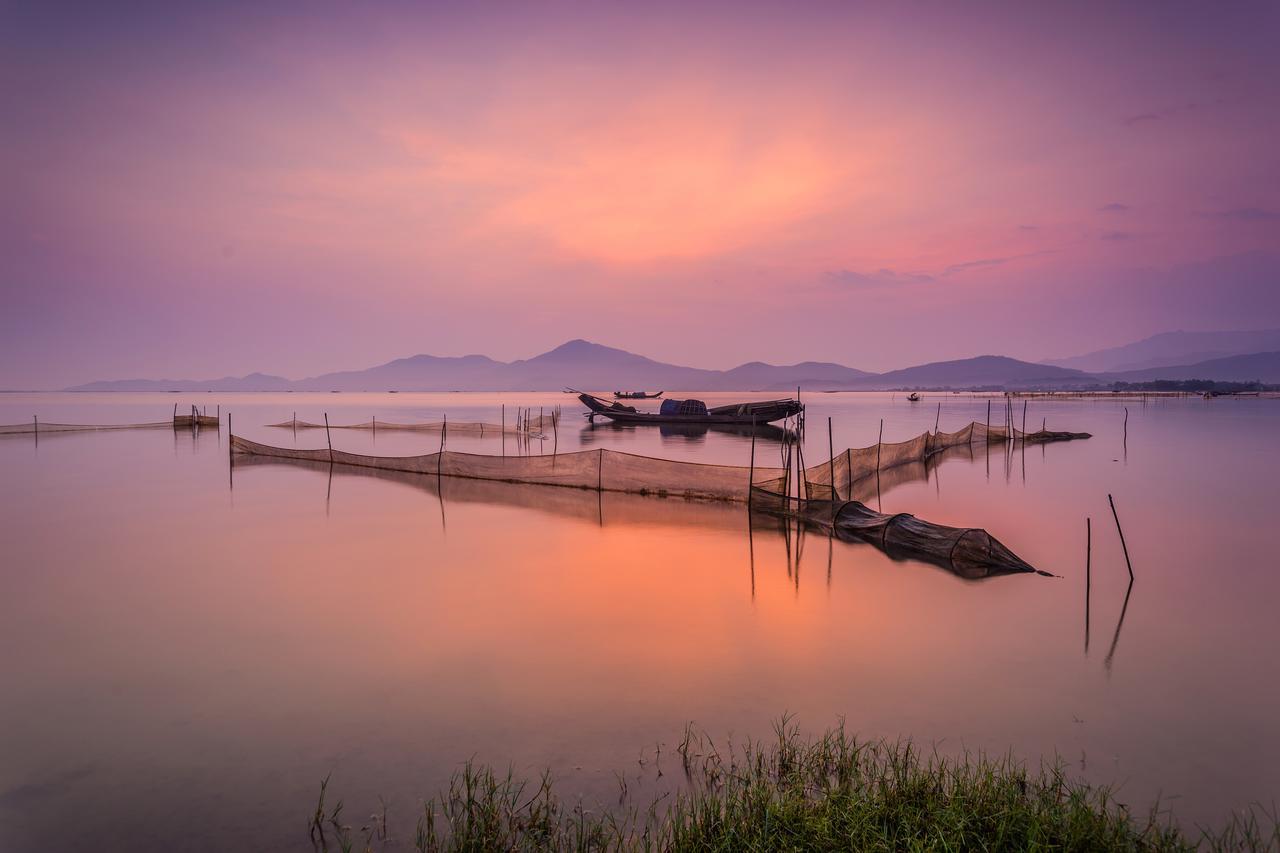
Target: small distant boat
<point x="913" y="397"/>
<point x="693" y="412"/>
<point x="636" y="395"/>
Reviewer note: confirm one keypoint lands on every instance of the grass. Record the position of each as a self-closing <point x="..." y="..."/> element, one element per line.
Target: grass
<point x="833" y="792"/>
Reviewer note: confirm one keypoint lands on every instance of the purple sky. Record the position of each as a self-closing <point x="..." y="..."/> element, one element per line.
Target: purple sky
<point x="196" y="190"/>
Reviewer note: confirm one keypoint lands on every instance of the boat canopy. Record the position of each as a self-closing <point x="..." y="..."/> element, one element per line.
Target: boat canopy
<point x="683" y="407"/>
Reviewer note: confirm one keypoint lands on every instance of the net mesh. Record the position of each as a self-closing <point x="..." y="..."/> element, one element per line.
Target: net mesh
<point x="194" y="418"/>
<point x="534" y="427"/>
<point x="827" y="494"/>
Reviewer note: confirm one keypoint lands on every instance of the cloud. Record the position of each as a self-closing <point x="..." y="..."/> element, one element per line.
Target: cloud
<point x="879" y="278"/>
<point x="1116" y="235"/>
<point x="1244" y="214"/>
<point x="1159" y="115"/>
<point x="1114" y="207"/>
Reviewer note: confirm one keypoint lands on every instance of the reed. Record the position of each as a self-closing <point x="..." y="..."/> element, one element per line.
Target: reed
<point x="792" y="792"/>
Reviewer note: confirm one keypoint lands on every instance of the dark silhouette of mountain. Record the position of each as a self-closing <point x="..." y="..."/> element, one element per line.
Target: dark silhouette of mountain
<point x="1173" y="349"/>
<point x="1258" y="366"/>
<point x="591" y="366"/>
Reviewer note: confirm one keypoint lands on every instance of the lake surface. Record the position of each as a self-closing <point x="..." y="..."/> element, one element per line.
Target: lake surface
<point x="190" y="647"/>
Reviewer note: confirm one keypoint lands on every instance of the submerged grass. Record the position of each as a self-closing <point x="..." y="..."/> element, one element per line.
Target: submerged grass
<point x="833" y="792"/>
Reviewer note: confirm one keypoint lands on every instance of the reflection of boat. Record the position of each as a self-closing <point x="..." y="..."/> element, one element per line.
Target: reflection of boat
<point x="694" y="412"/>
<point x="636" y="395"/>
<point x="913" y="397"/>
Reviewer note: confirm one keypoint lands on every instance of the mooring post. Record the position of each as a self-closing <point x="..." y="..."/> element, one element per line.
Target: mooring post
<point x="504" y="429"/>
<point x="444" y="427"/>
<point x="1120" y="530"/>
<point x="937" y="420"/>
<point x="831" y="468"/>
<point x="35" y="420"/>
<point x="1088" y="576"/>
<point x="751" y="477"/>
<point x="328" y="437"/>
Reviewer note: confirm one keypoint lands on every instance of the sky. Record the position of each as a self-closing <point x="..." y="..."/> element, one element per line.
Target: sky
<point x="201" y="190"/>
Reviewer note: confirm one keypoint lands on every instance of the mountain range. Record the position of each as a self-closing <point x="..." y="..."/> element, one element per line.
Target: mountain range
<point x="1173" y="349"/>
<point x="586" y="365"/>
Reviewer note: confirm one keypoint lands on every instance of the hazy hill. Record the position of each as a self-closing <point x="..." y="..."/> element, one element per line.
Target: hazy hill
<point x="251" y="382"/>
<point x="1172" y="349"/>
<point x="1260" y="366"/>
<point x="981" y="372"/>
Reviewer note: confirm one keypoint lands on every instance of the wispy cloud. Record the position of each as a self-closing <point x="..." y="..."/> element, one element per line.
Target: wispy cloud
<point x="1244" y="214"/>
<point x="1160" y="114"/>
<point x="880" y="278"/>
<point x="1114" y="207"/>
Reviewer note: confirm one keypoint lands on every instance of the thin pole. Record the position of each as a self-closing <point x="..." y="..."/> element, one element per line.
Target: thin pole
<point x="1088" y="576"/>
<point x="988" y="420"/>
<point x="879" y="441"/>
<point x="751" y="479"/>
<point x="1122" y="542"/>
<point x="35" y="419"/>
<point x="831" y="466"/>
<point x="328" y="437"/>
<point x="440" y="456"/>
<point x="504" y="429"/>
<point x="1024" y="422"/>
<point x="1126" y="429"/>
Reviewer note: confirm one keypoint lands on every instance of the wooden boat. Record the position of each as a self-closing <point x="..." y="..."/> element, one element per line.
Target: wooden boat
<point x="913" y="397"/>
<point x="636" y="395"/>
<point x="693" y="412"/>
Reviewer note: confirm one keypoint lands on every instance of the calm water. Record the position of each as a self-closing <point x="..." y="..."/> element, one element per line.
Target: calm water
<point x="189" y="649"/>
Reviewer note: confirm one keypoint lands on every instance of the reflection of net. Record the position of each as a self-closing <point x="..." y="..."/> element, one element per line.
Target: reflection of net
<point x="534" y="427"/>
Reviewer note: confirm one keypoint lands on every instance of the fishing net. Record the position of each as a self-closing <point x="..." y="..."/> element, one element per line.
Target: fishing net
<point x="602" y="470"/>
<point x="39" y="427"/>
<point x="826" y="494"/>
<point x="178" y="421"/>
<point x="533" y="426"/>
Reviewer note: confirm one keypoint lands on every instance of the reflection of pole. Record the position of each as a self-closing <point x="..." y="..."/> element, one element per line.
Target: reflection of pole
<point x="1111" y="653"/>
<point x="751" y="556"/>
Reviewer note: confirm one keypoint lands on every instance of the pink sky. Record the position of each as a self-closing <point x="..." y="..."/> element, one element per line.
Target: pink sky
<point x="203" y="193"/>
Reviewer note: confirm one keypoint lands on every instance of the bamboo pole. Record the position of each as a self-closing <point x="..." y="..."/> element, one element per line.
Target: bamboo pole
<point x="504" y="429"/>
<point x="831" y="467"/>
<point x="328" y="437"/>
<point x="751" y="479"/>
<point x="937" y="420"/>
<point x="1088" y="576"/>
<point x="444" y="427"/>
<point x="1120" y="530"/>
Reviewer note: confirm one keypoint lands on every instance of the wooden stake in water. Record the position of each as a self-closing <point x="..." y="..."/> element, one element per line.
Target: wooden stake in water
<point x="1120" y="530"/>
<point x="751" y="479"/>
<point x="1088" y="576"/>
<point x="831" y="465"/>
<point x="327" y="437"/>
<point x="937" y="420"/>
<point x="504" y="429"/>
